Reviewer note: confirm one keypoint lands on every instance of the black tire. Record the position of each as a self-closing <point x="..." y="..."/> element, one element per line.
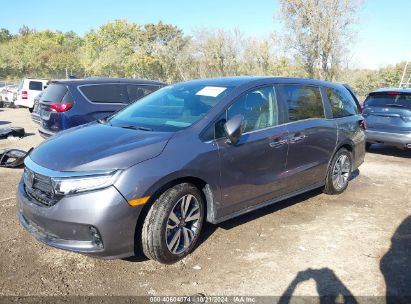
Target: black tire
<point x="368" y="145"/>
<point x="31" y="110"/>
<point x="153" y="235"/>
<point x="330" y="186"/>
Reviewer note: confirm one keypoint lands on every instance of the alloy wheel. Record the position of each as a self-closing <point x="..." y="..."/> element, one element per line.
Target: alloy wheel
<point x="183" y="224"/>
<point x="341" y="172"/>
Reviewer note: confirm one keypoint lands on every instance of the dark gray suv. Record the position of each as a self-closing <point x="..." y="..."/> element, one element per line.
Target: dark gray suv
<point x="204" y="150"/>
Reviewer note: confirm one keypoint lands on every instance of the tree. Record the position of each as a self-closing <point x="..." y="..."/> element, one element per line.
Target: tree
<point x="176" y="59"/>
<point x="125" y="49"/>
<point x="5" y="35"/>
<point x="40" y="54"/>
<point x="364" y="81"/>
<point x="258" y="57"/>
<point x="160" y="48"/>
<point x="218" y="52"/>
<point x="319" y="32"/>
<point x="24" y="30"/>
<point x="106" y="52"/>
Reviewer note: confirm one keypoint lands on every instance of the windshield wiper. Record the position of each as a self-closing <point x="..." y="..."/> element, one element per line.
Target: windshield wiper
<point x="395" y="105"/>
<point x="103" y="121"/>
<point x="136" y="128"/>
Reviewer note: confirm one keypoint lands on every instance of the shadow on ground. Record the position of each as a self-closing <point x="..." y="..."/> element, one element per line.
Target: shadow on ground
<point x="208" y="229"/>
<point x="329" y="287"/>
<point x="395" y="265"/>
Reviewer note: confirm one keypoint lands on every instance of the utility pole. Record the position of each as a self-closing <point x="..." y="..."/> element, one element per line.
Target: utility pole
<point x="406" y="76"/>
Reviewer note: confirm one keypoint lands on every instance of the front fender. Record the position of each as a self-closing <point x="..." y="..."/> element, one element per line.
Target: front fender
<point x="200" y="163"/>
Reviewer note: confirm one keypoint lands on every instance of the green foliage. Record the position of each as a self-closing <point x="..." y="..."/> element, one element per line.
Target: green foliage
<point x="161" y="51"/>
<point x="5" y="35"/>
<point x="364" y="81"/>
<point x="39" y="54"/>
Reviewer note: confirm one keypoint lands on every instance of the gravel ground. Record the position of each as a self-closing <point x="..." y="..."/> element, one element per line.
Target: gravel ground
<point x="312" y="244"/>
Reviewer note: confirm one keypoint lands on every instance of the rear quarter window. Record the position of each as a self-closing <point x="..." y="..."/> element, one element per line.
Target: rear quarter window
<point x="36" y="85"/>
<point x="136" y="92"/>
<point x="304" y="102"/>
<point x="54" y="93"/>
<point x="342" y="104"/>
<point x="105" y="93"/>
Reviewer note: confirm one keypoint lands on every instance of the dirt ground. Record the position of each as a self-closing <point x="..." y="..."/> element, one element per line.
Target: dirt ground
<point x="310" y="245"/>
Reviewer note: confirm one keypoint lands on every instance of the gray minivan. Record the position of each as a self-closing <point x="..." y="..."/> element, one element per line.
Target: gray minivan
<point x="149" y="176"/>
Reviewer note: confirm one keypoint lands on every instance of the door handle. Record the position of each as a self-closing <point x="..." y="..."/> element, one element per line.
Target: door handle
<point x="297" y="137"/>
<point x="277" y="143"/>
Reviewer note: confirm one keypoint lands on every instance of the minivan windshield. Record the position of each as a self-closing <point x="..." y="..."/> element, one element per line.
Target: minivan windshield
<point x="389" y="100"/>
<point x="171" y="108"/>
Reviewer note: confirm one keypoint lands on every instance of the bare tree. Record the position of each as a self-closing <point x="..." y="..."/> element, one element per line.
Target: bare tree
<point x="319" y="32"/>
<point x="218" y="51"/>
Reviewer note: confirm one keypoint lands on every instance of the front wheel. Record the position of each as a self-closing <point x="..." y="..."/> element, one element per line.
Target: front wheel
<point x="339" y="172"/>
<point x="173" y="224"/>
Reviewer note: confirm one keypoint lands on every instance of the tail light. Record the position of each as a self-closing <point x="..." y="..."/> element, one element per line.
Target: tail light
<point x="24" y="94"/>
<point x="60" y="107"/>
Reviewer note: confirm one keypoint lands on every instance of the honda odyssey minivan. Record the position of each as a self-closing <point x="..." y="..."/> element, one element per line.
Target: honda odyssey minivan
<point x="149" y="176"/>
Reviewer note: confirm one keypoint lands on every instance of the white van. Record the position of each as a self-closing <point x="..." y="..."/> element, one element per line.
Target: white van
<point x="28" y="89"/>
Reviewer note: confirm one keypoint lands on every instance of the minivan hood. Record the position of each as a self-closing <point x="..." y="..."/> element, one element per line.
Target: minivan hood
<point x="98" y="147"/>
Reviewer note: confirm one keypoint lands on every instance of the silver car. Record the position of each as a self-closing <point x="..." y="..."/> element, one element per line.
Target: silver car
<point x="387" y="115"/>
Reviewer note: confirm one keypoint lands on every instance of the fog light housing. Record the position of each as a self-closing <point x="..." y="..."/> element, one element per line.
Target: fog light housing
<point x="96" y="237"/>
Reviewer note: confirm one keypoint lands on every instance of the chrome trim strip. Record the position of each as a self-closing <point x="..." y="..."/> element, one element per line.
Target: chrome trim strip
<point x="29" y="163"/>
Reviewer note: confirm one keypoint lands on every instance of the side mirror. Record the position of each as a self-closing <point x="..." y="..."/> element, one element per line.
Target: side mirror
<point x="234" y="127"/>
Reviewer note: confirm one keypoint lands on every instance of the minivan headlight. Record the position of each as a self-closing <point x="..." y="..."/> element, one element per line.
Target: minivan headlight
<point x="75" y="184"/>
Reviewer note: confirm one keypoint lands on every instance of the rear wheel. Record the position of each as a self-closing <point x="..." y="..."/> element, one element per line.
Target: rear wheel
<point x="31" y="110"/>
<point x="368" y="146"/>
<point x="173" y="224"/>
<point x="339" y="172"/>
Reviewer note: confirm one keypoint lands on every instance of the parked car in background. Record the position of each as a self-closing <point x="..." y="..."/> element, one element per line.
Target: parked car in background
<point x="35" y="116"/>
<point x="11" y="93"/>
<point x="7" y="93"/>
<point x="202" y="150"/>
<point x="73" y="102"/>
<point x="387" y="114"/>
<point x="2" y="94"/>
<point x="27" y="90"/>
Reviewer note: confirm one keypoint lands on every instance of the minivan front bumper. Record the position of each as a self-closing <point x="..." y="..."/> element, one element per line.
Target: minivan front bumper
<point x="99" y="223"/>
<point x="397" y="139"/>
